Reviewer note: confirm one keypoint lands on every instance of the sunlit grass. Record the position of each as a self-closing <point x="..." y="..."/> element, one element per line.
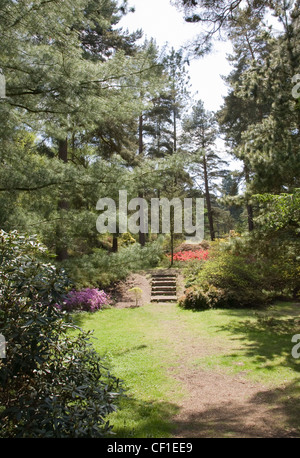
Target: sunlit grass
<point x="260" y="343"/>
<point x="141" y="345"/>
<point x="131" y="343"/>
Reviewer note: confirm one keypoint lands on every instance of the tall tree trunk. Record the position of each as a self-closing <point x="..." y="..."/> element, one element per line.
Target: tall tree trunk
<point x="248" y="205"/>
<point x="115" y="243"/>
<point x="175" y="129"/>
<point x="61" y="248"/>
<point x="250" y="217"/>
<point x="141" y="143"/>
<point x="142" y="235"/>
<point x="208" y="201"/>
<point x="172" y="246"/>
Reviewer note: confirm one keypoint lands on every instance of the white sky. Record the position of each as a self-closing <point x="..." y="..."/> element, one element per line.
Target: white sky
<point x="163" y="22"/>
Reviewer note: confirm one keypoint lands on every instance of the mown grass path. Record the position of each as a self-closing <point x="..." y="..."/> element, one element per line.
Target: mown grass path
<point x="202" y="374"/>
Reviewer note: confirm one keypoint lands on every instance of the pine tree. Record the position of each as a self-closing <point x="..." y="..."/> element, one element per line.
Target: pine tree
<point x="230" y="193"/>
<point x="163" y="121"/>
<point x="200" y="133"/>
<point x="179" y="90"/>
<point x="62" y="96"/>
<point x="271" y="140"/>
<point x="250" y="43"/>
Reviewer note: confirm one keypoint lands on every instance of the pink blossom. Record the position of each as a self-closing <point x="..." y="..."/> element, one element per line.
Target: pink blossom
<point x="89" y="300"/>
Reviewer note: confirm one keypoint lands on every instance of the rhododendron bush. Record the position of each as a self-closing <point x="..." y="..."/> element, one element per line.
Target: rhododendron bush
<point x="185" y="256"/>
<point x="88" y="300"/>
<point x="53" y="383"/>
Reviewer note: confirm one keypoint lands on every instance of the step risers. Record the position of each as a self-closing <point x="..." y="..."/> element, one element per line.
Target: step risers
<point x="164" y="277"/>
<point x="164" y="285"/>
<point x="164" y="299"/>
<point x="164" y="288"/>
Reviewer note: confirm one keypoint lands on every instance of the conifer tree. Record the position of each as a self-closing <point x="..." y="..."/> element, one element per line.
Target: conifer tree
<point x="200" y="133"/>
<point x="63" y="95"/>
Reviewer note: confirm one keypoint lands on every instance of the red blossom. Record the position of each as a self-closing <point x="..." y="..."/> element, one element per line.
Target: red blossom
<point x="190" y="255"/>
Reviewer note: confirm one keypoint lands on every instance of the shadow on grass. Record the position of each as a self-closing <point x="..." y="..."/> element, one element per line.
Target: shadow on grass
<point x="135" y="417"/>
<point x="266" y="340"/>
<point x="144" y="419"/>
<point x="79" y="318"/>
<point x="271" y="413"/>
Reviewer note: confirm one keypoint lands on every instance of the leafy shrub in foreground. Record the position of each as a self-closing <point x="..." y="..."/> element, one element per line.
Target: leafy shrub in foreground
<point x="52" y="382"/>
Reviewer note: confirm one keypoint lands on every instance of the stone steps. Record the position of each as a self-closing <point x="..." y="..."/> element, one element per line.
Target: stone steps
<point x="157" y="289"/>
<point x="163" y="284"/>
<point x="164" y="299"/>
<point x="164" y="287"/>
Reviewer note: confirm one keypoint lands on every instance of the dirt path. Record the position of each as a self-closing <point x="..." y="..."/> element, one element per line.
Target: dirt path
<point x="215" y="403"/>
<point x="218" y="404"/>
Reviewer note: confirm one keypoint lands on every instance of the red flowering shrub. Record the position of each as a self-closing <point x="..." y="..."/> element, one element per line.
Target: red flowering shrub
<point x="185" y="256"/>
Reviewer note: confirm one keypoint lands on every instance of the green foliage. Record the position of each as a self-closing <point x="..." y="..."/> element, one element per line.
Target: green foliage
<point x="199" y="298"/>
<point x="103" y="268"/>
<point x="127" y="239"/>
<point x="52" y="382"/>
<point x="243" y="272"/>
<point x="260" y="116"/>
<point x="280" y="213"/>
<point x="137" y="293"/>
<point x="226" y="280"/>
<point x="79" y="91"/>
<point x="25" y="275"/>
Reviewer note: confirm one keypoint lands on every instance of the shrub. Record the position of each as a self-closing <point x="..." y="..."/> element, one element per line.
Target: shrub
<point x="137" y="293"/>
<point x="52" y="382"/>
<point x="255" y="269"/>
<point x="88" y="300"/>
<point x="208" y="297"/>
<point x="186" y="246"/>
<point x="102" y="268"/>
<point x="195" y="298"/>
<point x="226" y="280"/>
<point x="237" y="275"/>
<point x="185" y="256"/>
<point x="127" y="239"/>
<point x="25" y="271"/>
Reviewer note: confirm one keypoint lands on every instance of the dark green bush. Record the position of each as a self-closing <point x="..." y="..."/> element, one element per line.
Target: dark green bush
<point x="203" y="298"/>
<point x="52" y="382"/>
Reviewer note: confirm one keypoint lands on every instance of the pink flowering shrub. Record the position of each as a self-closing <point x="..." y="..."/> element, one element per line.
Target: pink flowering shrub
<point x="88" y="300"/>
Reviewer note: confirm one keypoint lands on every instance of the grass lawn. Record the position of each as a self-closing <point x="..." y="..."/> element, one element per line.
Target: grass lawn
<point x="143" y="345"/>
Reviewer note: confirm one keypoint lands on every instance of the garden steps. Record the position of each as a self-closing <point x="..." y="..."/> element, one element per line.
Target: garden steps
<point x="164" y="287"/>
<point x="163" y="283"/>
<point x="157" y="289"/>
